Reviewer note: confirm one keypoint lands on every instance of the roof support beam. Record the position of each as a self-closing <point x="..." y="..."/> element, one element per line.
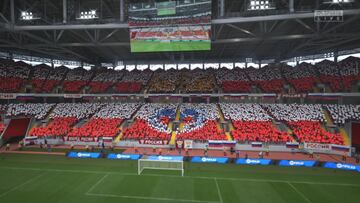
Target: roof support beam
<point x="215" y="21"/>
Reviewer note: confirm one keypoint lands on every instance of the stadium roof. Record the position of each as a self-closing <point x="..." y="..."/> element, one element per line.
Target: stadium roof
<point x="283" y="33"/>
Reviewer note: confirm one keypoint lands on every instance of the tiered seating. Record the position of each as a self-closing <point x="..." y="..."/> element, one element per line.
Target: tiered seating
<point x="197" y="81"/>
<point x="329" y="74"/>
<point x="259" y="131"/>
<point x="267" y="78"/>
<point x="199" y="123"/>
<point x="13" y="75"/>
<point x="349" y="72"/>
<point x="164" y="81"/>
<point x="312" y="131"/>
<point x="233" y="81"/>
<point x="149" y="123"/>
<point x="252" y="123"/>
<point x="132" y="81"/>
<point x="39" y="76"/>
<point x="77" y="110"/>
<point x="38" y="111"/>
<point x="343" y="113"/>
<point x="54" y="79"/>
<point x="76" y="79"/>
<point x="301" y="77"/>
<point x="209" y="131"/>
<point x="141" y="129"/>
<point x="59" y="126"/>
<point x="64" y="116"/>
<point x="104" y="80"/>
<point x="98" y="127"/>
<point x="305" y="121"/>
<point x="106" y="122"/>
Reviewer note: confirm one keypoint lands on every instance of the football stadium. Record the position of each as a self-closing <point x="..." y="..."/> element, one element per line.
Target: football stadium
<point x="198" y="101"/>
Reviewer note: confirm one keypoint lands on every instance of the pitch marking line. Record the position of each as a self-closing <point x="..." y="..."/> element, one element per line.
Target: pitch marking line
<point x="97" y="183"/>
<point x="218" y="190"/>
<point x="149" y="198"/>
<point x="193" y="177"/>
<point x="21" y="185"/>
<point x="300" y="193"/>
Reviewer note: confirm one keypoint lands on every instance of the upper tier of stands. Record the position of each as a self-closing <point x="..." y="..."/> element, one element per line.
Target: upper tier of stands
<point x="335" y="77"/>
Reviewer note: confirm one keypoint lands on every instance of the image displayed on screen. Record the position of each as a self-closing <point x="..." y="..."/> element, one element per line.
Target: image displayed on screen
<point x="170" y="25"/>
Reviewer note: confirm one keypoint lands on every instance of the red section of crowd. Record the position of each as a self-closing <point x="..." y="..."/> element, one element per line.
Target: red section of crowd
<point x="208" y="132"/>
<point x="49" y="85"/>
<point x="236" y="86"/>
<point x="99" y="87"/>
<point x="140" y="129"/>
<point x="73" y="86"/>
<point x="333" y="81"/>
<point x="312" y="131"/>
<point x="305" y="84"/>
<point x="2" y="127"/>
<point x="275" y="85"/>
<point x="10" y="84"/>
<point x="98" y="127"/>
<point x="261" y="131"/>
<point x="128" y="87"/>
<point x="348" y="81"/>
<point x="57" y="127"/>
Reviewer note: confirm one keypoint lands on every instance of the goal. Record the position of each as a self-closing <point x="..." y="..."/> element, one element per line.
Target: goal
<point x="176" y="165"/>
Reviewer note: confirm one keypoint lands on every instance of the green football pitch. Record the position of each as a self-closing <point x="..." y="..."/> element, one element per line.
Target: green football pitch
<point x="51" y="178"/>
<point x="145" y="46"/>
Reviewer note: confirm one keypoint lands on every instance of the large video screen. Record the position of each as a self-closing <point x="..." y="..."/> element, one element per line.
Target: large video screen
<point x="170" y="25"/>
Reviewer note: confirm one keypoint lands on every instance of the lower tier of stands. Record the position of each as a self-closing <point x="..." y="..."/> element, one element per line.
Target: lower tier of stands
<point x="59" y="126"/>
<point x="97" y="127"/>
<point x="141" y="129"/>
<point x="259" y="131"/>
<point x="312" y="131"/>
<point x="209" y="131"/>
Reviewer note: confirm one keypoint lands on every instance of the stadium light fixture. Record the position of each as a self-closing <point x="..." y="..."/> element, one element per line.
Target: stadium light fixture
<point x="25" y="15"/>
<point x="91" y="14"/>
<point x="338" y="1"/>
<point x="260" y="5"/>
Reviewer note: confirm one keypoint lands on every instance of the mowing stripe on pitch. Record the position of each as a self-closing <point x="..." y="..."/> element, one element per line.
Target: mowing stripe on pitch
<point x="21" y="185"/>
<point x="173" y="176"/>
<point x="149" y="198"/>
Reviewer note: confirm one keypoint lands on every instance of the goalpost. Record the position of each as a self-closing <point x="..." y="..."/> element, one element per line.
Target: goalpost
<point x="176" y="165"/>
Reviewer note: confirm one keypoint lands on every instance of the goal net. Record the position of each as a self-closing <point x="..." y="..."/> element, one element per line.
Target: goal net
<point x="176" y="165"/>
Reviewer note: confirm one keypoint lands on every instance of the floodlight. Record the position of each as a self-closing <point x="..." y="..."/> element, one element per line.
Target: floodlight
<point x="262" y="2"/>
<point x="262" y="7"/>
<point x="257" y="2"/>
<point x="93" y="12"/>
<point x="252" y="3"/>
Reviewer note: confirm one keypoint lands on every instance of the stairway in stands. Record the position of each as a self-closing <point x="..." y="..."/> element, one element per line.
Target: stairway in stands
<point x="173" y="133"/>
<point x="343" y="133"/>
<point x="222" y="120"/>
<point x="17" y="127"/>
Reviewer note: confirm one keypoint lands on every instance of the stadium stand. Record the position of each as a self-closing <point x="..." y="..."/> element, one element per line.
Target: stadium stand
<point x="38" y="111"/>
<point x="13" y="75"/>
<point x="200" y="123"/>
<point x="268" y="78"/>
<point x="305" y="121"/>
<point x="106" y="122"/>
<point x="252" y="123"/>
<point x="343" y="113"/>
<point x="151" y="122"/>
<point x="233" y="81"/>
<point x="76" y="79"/>
<point x="301" y="77"/>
